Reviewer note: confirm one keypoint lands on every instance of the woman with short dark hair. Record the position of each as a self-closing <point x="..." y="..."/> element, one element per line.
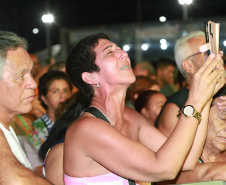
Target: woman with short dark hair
<point x="111" y="143"/>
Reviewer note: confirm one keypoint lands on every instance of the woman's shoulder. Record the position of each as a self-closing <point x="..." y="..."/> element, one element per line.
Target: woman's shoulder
<point x="84" y="122"/>
<point x="128" y="111"/>
<point x="56" y="149"/>
<point x="134" y="117"/>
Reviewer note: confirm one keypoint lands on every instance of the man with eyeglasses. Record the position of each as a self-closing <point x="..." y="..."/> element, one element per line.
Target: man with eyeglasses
<point x="189" y="59"/>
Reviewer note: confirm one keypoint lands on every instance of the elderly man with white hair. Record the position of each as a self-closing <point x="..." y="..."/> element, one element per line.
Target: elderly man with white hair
<point x="189" y="59"/>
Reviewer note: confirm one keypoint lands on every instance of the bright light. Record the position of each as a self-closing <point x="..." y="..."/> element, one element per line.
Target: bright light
<point x="162" y="19"/>
<point x="184" y="33"/>
<point x="163" y="46"/>
<point x="47" y="18"/>
<point x="163" y="41"/>
<point x="224" y="43"/>
<point x="144" y="47"/>
<point x="56" y="49"/>
<point x="187" y="2"/>
<point x="35" y="30"/>
<point x="126" y="47"/>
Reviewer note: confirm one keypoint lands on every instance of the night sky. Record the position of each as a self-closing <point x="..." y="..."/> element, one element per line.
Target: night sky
<point x="24" y="15"/>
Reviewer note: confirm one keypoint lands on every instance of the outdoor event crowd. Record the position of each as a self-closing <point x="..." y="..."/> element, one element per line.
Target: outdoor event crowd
<point x="98" y="118"/>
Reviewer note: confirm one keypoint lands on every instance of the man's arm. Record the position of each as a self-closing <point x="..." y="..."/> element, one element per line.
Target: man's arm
<point x="12" y="171"/>
<point x="203" y="172"/>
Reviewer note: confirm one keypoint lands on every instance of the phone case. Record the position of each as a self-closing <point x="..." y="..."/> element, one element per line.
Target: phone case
<point x="212" y="33"/>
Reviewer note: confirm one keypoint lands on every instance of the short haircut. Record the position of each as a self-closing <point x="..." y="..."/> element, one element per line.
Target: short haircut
<point x="182" y="49"/>
<point x="164" y="62"/>
<point x="9" y="41"/>
<point x="81" y="59"/>
<point x="148" y="66"/>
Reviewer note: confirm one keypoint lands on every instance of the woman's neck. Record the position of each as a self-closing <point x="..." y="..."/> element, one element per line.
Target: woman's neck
<point x="112" y="106"/>
<point x="51" y="115"/>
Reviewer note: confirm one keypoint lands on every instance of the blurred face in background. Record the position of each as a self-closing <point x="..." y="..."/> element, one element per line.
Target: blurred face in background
<point x="36" y="65"/>
<point x="154" y="106"/>
<point x="139" y="71"/>
<point x="59" y="91"/>
<point x="167" y="74"/>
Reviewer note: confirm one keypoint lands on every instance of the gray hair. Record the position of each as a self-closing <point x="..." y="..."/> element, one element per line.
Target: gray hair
<point x="9" y="41"/>
<point x="183" y="49"/>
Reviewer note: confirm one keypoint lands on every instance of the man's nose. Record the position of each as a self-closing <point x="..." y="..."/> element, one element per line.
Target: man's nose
<point x="31" y="83"/>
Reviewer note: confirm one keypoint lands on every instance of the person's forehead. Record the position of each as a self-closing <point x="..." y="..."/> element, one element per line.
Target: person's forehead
<point x="157" y="98"/>
<point x="220" y="113"/>
<point x="102" y="44"/>
<point x="58" y="83"/>
<point x="197" y="41"/>
<point x="18" y="58"/>
<point x="170" y="67"/>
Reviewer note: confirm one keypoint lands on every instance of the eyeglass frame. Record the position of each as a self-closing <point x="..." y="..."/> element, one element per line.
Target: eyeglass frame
<point x="220" y="49"/>
<point x="194" y="54"/>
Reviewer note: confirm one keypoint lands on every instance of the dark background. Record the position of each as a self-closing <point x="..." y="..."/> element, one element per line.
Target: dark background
<point x="21" y="16"/>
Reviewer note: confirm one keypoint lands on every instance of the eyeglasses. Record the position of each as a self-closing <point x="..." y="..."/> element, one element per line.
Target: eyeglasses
<point x="220" y="49"/>
<point x="194" y="55"/>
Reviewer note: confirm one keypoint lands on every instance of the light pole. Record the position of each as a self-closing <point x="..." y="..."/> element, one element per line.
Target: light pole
<point x="185" y="4"/>
<point x="48" y="19"/>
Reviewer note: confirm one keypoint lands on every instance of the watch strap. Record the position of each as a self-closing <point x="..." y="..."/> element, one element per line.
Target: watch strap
<point x="195" y="114"/>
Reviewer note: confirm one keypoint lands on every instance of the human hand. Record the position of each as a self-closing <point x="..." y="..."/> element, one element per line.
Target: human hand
<point x="221" y="81"/>
<point x="207" y="80"/>
<point x="222" y="104"/>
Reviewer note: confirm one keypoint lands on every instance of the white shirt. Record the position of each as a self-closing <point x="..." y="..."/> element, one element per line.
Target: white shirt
<point x="15" y="146"/>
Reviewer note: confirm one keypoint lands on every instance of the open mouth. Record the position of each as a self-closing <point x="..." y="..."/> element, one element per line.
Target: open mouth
<point x="125" y="67"/>
<point x="223" y="138"/>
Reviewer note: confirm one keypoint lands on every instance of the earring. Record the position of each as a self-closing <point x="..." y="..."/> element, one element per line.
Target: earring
<point x="97" y="84"/>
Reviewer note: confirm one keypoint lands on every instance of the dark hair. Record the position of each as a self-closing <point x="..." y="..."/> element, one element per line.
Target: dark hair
<point x="46" y="80"/>
<point x="78" y="103"/>
<point x="81" y="58"/>
<point x="141" y="84"/>
<point x="143" y="99"/>
<point x="164" y="62"/>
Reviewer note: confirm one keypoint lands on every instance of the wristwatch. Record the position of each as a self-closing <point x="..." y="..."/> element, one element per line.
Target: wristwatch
<point x="190" y="111"/>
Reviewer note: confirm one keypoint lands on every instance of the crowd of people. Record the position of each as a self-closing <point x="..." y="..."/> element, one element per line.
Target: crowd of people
<point x="70" y="122"/>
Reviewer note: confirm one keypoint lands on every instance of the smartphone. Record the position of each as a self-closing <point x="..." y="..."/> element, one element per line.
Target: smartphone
<point x="212" y="33"/>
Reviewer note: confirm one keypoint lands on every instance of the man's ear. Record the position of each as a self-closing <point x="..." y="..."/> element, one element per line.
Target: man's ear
<point x="188" y="66"/>
<point x="89" y="78"/>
